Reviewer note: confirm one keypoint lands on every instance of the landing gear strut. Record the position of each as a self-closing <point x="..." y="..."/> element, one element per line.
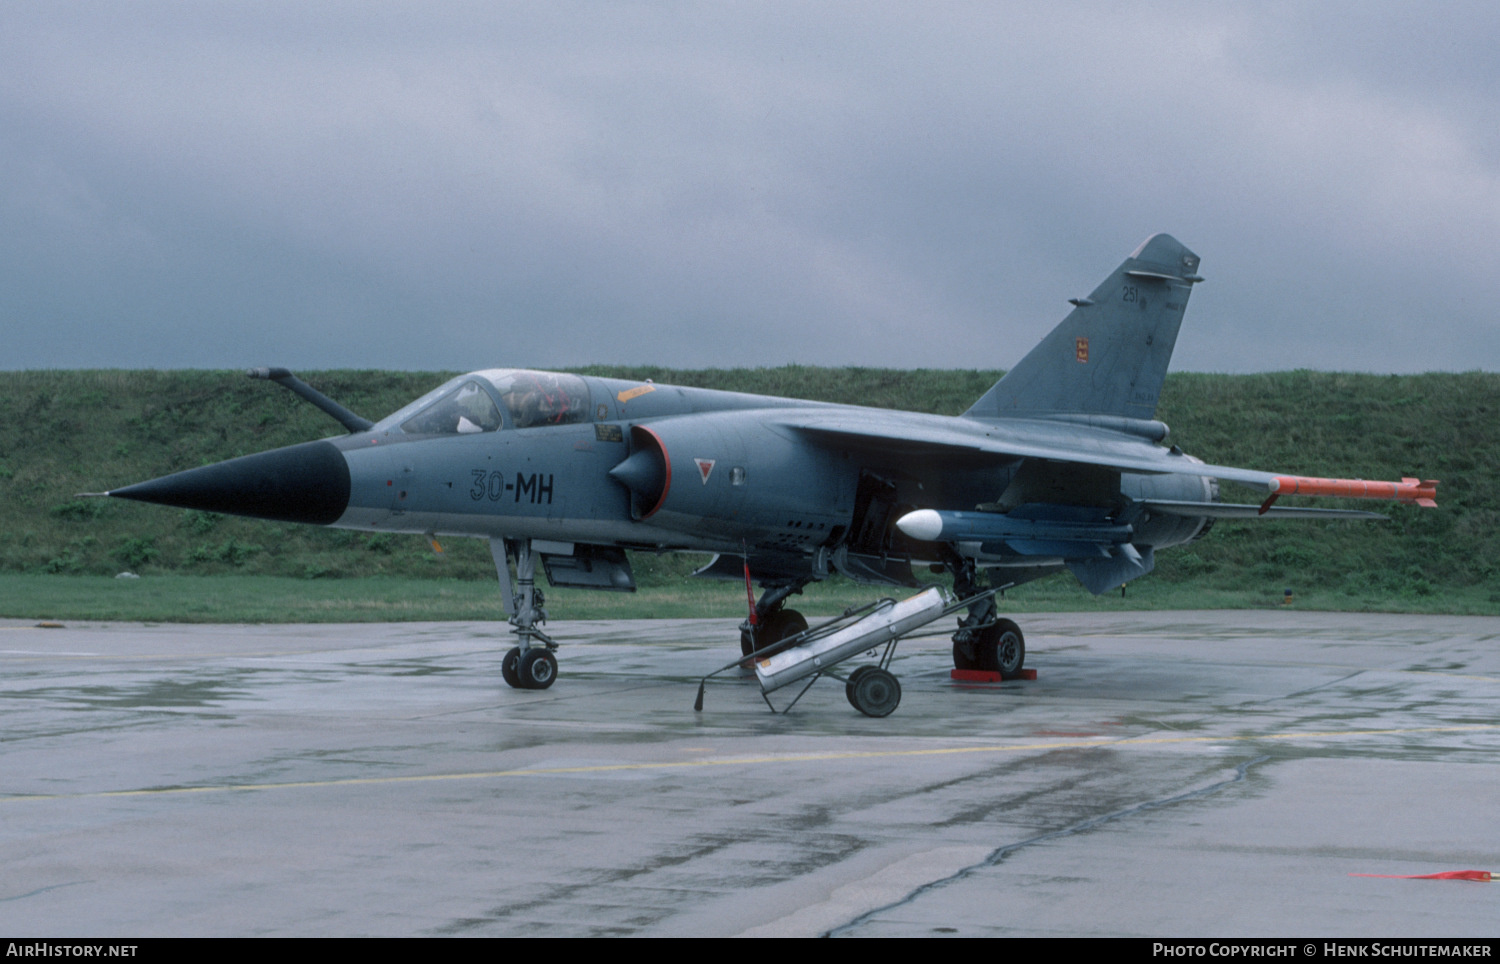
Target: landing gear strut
<point x="984" y="641"/>
<point x="531" y="665"/>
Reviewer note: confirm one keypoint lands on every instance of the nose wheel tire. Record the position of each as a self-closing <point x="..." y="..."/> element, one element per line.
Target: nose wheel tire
<point x="510" y="667"/>
<point x="873" y="691"/>
<point x="536" y="669"/>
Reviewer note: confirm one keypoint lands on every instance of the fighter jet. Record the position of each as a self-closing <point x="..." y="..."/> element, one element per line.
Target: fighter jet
<point x="1061" y="466"/>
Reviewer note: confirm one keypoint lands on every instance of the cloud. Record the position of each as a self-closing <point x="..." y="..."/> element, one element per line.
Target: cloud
<point x="880" y="184"/>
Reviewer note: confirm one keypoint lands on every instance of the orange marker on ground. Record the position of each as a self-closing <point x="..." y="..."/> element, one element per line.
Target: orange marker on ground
<point x="1480" y="875"/>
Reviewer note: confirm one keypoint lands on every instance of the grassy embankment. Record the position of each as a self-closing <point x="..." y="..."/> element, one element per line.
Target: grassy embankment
<point x="66" y="432"/>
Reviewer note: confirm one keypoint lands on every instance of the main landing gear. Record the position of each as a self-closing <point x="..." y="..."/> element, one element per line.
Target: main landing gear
<point x="531" y="665"/>
<point x="773" y="623"/>
<point x="984" y="641"/>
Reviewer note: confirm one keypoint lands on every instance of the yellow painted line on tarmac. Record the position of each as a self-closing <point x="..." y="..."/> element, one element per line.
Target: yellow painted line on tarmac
<point x="1434" y="672"/>
<point x="37" y="654"/>
<point x="749" y="761"/>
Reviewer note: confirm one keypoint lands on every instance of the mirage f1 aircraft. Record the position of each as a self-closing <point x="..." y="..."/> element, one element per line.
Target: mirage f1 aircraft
<point x="1061" y="465"/>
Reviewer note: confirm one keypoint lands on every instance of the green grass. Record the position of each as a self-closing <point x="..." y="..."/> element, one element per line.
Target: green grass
<point x="65" y="432"/>
<point x="280" y="599"/>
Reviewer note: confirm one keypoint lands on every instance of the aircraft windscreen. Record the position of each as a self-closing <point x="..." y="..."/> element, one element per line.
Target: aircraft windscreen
<point x="464" y="410"/>
<point x="541" y="398"/>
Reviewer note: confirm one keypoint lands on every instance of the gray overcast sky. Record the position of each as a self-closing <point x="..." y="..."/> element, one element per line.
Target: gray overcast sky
<point x="463" y="185"/>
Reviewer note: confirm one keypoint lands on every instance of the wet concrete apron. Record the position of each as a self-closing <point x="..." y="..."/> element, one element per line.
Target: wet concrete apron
<point x="1167" y="774"/>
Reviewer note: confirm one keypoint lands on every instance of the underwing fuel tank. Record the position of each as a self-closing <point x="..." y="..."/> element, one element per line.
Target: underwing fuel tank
<point x="931" y="525"/>
<point x="1073" y="531"/>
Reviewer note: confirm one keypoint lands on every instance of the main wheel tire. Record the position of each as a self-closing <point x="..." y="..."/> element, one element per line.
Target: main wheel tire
<point x="510" y="667"/>
<point x="962" y="660"/>
<point x="876" y="693"/>
<point x="778" y="626"/>
<point x="1004" y="649"/>
<point x="784" y="623"/>
<point x="537" y="669"/>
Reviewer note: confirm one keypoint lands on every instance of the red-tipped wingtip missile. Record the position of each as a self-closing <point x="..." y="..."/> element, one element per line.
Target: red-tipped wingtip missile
<point x="1410" y="491"/>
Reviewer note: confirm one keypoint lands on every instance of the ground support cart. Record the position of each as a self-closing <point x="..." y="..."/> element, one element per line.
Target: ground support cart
<point x="813" y="653"/>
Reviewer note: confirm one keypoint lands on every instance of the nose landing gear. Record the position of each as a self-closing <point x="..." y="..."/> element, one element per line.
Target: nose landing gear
<point x="531" y="669"/>
<point x="531" y="665"/>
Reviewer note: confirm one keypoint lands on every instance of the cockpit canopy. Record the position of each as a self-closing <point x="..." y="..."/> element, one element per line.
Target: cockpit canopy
<point x="541" y="398"/>
<point x="475" y="402"/>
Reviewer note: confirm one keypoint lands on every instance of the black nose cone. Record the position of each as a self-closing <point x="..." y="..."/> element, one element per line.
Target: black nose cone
<point x="300" y="483"/>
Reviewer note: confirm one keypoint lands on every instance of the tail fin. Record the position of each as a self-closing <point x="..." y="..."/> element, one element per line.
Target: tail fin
<point x="1110" y="355"/>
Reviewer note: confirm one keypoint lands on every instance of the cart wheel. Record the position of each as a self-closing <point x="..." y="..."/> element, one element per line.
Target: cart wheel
<point x="854" y="678"/>
<point x="874" y="692"/>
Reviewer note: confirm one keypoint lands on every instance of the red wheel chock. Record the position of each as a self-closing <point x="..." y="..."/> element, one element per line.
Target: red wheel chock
<point x="985" y="675"/>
